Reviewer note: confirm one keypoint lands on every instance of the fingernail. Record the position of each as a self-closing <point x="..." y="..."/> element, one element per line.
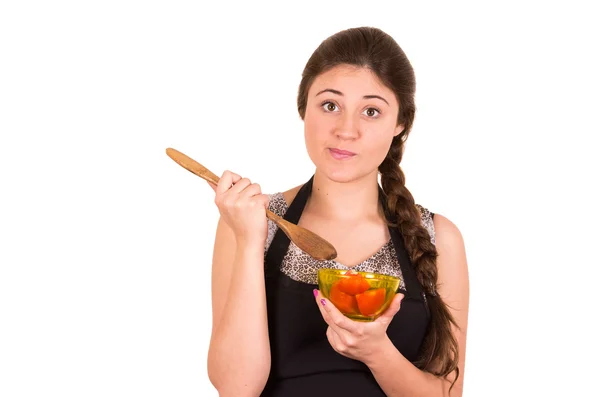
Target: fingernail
<point x="315" y="292"/>
<point x="323" y="302"/>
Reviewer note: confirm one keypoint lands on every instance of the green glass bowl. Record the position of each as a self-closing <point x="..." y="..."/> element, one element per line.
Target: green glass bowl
<point x="361" y="296"/>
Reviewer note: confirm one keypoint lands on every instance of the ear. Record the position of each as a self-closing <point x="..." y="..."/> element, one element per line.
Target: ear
<point x="399" y="128"/>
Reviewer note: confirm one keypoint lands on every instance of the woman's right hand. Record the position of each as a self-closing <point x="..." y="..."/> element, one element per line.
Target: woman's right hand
<point x="243" y="207"/>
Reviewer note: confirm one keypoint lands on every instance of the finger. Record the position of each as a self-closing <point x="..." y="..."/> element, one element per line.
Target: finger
<point x="390" y="312"/>
<point x="319" y="300"/>
<point x="240" y="185"/>
<point x="227" y="179"/>
<point x="251" y="190"/>
<point x="262" y="200"/>
<point x="334" y="339"/>
<point x="334" y="317"/>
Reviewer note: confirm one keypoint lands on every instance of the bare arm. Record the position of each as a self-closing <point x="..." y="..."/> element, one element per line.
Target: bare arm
<point x="239" y="355"/>
<point x="394" y="373"/>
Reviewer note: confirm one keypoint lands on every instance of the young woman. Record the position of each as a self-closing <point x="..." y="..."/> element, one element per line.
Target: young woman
<point x="273" y="333"/>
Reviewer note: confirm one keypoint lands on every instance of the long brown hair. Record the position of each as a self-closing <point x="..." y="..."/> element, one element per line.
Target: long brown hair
<point x="374" y="49"/>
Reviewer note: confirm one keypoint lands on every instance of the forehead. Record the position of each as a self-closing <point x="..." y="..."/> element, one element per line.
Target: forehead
<point x="351" y="80"/>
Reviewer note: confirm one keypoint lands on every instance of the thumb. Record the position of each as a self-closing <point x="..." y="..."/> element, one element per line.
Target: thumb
<point x="391" y="311"/>
<point x="266" y="200"/>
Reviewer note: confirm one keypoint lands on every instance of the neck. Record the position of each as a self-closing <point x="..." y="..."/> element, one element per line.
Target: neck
<point x="345" y="200"/>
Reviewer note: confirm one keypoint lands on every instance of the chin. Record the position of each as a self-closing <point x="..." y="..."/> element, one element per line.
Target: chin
<point x="341" y="177"/>
<point x="345" y="175"/>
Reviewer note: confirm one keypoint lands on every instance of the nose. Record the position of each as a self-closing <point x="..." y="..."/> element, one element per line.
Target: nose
<point x="347" y="127"/>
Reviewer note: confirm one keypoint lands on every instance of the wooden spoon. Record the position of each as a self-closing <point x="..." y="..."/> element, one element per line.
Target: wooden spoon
<point x="307" y="241"/>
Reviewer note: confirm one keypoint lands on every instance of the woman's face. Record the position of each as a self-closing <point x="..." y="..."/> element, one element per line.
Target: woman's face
<point x="349" y="123"/>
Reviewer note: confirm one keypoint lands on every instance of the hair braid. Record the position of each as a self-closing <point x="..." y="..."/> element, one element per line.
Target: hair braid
<point x="423" y="254"/>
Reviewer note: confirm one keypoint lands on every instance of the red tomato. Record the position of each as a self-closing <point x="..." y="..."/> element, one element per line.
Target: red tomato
<point x="354" y="284"/>
<point x="369" y="302"/>
<point x="345" y="303"/>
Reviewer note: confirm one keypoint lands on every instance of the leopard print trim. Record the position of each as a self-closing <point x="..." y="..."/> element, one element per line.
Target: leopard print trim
<point x="278" y="206"/>
<point x="427" y="221"/>
<point x="301" y="267"/>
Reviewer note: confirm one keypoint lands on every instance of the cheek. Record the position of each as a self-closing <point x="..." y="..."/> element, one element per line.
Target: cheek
<point x="315" y="127"/>
<point x="379" y="145"/>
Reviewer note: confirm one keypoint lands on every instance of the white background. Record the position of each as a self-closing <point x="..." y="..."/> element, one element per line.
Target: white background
<point x="106" y="243"/>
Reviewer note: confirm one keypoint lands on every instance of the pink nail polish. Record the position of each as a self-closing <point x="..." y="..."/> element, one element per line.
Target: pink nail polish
<point x="323" y="302"/>
<point x="315" y="292"/>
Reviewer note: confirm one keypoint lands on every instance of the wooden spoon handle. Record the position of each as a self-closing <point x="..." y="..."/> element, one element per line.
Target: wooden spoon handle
<point x="192" y="165"/>
<point x="309" y="242"/>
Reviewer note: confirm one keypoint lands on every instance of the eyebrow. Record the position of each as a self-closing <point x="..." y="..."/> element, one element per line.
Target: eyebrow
<point x="340" y="94"/>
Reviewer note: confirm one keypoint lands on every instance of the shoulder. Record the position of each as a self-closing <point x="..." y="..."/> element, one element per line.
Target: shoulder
<point x="447" y="233"/>
<point x="452" y="259"/>
<point x="280" y="201"/>
<point x="290" y="194"/>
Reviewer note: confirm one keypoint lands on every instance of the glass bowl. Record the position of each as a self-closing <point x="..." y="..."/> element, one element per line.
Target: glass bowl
<point x="361" y="296"/>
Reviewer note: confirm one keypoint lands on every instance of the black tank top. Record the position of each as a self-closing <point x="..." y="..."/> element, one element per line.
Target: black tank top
<point x="303" y="363"/>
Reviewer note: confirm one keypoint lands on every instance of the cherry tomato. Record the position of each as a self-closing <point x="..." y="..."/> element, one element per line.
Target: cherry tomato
<point x="354" y="284"/>
<point x="345" y="303"/>
<point x="369" y="302"/>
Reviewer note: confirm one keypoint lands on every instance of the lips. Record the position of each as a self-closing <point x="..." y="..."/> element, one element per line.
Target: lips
<point x="340" y="154"/>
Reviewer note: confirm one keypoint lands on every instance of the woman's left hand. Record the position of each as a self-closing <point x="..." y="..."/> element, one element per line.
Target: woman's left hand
<point x="355" y="339"/>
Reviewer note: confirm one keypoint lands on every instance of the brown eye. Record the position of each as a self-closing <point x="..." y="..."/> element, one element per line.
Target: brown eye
<point x="329" y="106"/>
<point x="372" y="112"/>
